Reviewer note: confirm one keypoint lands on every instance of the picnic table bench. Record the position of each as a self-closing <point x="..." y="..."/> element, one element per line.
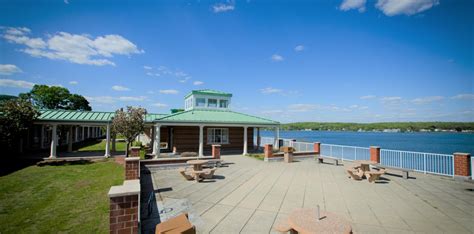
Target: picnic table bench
<point x="321" y="159"/>
<point x="404" y="171"/>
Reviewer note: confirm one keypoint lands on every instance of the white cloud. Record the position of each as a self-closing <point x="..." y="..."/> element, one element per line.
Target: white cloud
<point x="133" y="99"/>
<point x="354" y="106"/>
<point x="223" y="7"/>
<point x="270" y="90"/>
<point x="169" y="91"/>
<point x="302" y="107"/>
<point x="160" y="105"/>
<point x="16" y="83"/>
<point x="74" y="48"/>
<point x="299" y="48"/>
<point x="391" y="100"/>
<point x="270" y="112"/>
<point x="73" y="82"/>
<point x="184" y="80"/>
<point x="426" y="100"/>
<point x="464" y="96"/>
<point x="8" y="69"/>
<point x="277" y="58"/>
<point x="198" y="82"/>
<point x="101" y="99"/>
<point x="353" y="5"/>
<point x="147" y="67"/>
<point x="120" y="88"/>
<point x="368" y="97"/>
<point x="407" y="7"/>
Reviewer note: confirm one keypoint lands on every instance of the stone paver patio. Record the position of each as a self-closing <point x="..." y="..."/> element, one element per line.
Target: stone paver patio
<point x="251" y="196"/>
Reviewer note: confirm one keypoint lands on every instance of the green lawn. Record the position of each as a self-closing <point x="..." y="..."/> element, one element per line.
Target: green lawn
<point x="100" y="146"/>
<point x="52" y="199"/>
<point x="257" y="156"/>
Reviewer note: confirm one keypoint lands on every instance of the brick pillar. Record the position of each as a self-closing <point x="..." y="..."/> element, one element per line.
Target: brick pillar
<point x="216" y="151"/>
<point x="462" y="165"/>
<point x="317" y="147"/>
<point x="124" y="207"/>
<point x="135" y="151"/>
<point x="375" y="154"/>
<point x="268" y="149"/>
<point x="132" y="168"/>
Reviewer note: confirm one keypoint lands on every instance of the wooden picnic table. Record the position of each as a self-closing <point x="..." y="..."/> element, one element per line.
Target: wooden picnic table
<point x="197" y="164"/>
<point x="365" y="164"/>
<point x="304" y="220"/>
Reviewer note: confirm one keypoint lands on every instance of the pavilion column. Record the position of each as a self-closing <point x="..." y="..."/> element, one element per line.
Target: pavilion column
<point x="258" y="138"/>
<point x="156" y="141"/>
<point x="82" y="135"/>
<point x="76" y="138"/>
<point x="201" y="141"/>
<point x="245" y="141"/>
<point x="152" y="140"/>
<point x="107" y="142"/>
<point x="42" y="137"/>
<point x="54" y="141"/>
<point x="88" y="132"/>
<point x="277" y="137"/>
<point x="69" y="140"/>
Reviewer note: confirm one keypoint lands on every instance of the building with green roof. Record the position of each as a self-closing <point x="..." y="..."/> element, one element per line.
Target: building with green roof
<point x="207" y="119"/>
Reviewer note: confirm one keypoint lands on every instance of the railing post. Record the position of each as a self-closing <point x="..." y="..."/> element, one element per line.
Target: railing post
<point x="342" y="153"/>
<point x="317" y="147"/>
<point x="355" y="154"/>
<point x="424" y="162"/>
<point x="330" y="150"/>
<point x="400" y="158"/>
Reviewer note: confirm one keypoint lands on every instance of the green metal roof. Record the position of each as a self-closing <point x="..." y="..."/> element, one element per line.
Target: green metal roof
<point x="215" y="116"/>
<point x="209" y="92"/>
<point x="85" y="116"/>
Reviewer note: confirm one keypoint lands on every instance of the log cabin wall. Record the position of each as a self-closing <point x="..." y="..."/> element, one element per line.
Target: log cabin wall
<point x="186" y="138"/>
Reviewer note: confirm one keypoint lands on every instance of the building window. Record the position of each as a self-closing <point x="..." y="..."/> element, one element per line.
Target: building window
<point x="211" y="102"/>
<point x="200" y="102"/>
<point x="223" y="103"/>
<point x="217" y="136"/>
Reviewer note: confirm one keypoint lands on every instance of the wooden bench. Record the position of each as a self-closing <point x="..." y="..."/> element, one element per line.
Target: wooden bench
<point x="321" y="160"/>
<point x="178" y="224"/>
<point x="403" y="170"/>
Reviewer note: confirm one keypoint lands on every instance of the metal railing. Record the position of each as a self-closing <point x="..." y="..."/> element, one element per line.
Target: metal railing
<point x="441" y="164"/>
<point x="345" y="152"/>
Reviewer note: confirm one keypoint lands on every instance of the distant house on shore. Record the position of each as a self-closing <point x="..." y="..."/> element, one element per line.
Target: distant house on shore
<point x="206" y="120"/>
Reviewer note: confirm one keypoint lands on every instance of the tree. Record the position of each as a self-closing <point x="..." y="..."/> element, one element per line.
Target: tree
<point x="16" y="116"/>
<point x="129" y="123"/>
<point x="55" y="97"/>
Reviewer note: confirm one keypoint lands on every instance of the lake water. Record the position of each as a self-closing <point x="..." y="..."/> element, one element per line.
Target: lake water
<point x="432" y="142"/>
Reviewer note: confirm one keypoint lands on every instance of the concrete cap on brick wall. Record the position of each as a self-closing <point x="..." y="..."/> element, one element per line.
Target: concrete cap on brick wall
<point x="132" y="159"/>
<point x="217" y="145"/>
<point x="375" y="147"/>
<point x="129" y="187"/>
<point x="462" y="154"/>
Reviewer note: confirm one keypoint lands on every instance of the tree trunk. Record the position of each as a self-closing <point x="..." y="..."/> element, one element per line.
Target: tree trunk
<point x="113" y="144"/>
<point x="126" y="152"/>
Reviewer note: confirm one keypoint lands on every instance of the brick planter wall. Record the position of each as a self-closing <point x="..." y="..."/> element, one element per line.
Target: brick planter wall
<point x="462" y="164"/>
<point x="135" y="151"/>
<point x="124" y="207"/>
<point x="375" y="154"/>
<point x="132" y="168"/>
<point x="317" y="147"/>
<point x="216" y="151"/>
<point x="268" y="150"/>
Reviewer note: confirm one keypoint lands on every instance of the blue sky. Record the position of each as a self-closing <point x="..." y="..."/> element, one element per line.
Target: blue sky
<point x="352" y="60"/>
